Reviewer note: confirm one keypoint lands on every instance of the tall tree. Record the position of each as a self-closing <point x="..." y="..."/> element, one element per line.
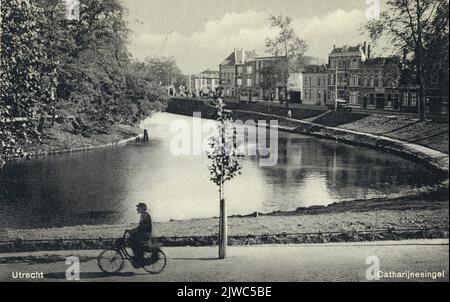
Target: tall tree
<point x="54" y="65"/>
<point x="165" y="70"/>
<point x="289" y="47"/>
<point x="21" y="55"/>
<point x="410" y="25"/>
<point x="224" y="166"/>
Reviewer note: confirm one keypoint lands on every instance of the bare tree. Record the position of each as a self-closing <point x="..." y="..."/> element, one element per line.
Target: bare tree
<point x="406" y="24"/>
<point x="289" y="47"/>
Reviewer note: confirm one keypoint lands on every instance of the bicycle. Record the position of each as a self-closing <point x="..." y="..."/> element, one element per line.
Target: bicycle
<point x="112" y="260"/>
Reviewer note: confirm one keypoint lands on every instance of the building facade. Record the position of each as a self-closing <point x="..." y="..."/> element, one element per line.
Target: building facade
<point x="379" y="84"/>
<point x="295" y="87"/>
<point x="315" y="85"/>
<point x="206" y="82"/>
<point x="229" y="70"/>
<point x="344" y="69"/>
<point x="246" y="77"/>
<point x="269" y="84"/>
<point x="368" y="82"/>
<point x="246" y="82"/>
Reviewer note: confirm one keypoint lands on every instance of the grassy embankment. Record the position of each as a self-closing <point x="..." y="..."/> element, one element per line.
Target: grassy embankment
<point x="61" y="139"/>
<point x="425" y="216"/>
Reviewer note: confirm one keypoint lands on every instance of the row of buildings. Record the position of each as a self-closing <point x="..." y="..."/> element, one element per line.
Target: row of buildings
<point x="351" y="74"/>
<point x="245" y="76"/>
<point x="362" y="80"/>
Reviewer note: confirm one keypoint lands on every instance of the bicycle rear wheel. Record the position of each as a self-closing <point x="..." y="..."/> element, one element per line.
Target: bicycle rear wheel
<point x="154" y="261"/>
<point x="110" y="261"/>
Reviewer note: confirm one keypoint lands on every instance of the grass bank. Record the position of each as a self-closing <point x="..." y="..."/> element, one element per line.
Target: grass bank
<point x="61" y="139"/>
<point x="423" y="216"/>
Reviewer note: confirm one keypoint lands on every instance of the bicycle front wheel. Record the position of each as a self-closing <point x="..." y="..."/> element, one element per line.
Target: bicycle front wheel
<point x="110" y="261"/>
<point x="155" y="261"/>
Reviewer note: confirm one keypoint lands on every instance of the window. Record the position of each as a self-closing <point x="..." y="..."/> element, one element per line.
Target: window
<point x="395" y="98"/>
<point x="371" y="99"/>
<point x="354" y="80"/>
<point x="319" y="80"/>
<point x="405" y="99"/>
<point x="354" y="97"/>
<point x="239" y="82"/>
<point x="239" y="69"/>
<point x="389" y="100"/>
<point x="413" y="99"/>
<point x="340" y="79"/>
<point x="249" y="69"/>
<point x="249" y="82"/>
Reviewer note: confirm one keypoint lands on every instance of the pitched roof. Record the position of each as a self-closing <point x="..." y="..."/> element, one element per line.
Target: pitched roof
<point x="346" y="49"/>
<point x="269" y="58"/>
<point x="207" y="71"/>
<point x="239" y="56"/>
<point x="315" y="69"/>
<point x="230" y="60"/>
<point x="381" y="61"/>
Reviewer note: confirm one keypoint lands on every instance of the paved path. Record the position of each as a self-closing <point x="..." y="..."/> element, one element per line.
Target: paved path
<point x="306" y="262"/>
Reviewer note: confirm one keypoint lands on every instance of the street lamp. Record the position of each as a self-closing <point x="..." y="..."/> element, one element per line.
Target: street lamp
<point x="336" y="96"/>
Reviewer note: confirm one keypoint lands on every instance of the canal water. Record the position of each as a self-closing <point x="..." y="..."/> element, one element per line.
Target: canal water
<point x="103" y="186"/>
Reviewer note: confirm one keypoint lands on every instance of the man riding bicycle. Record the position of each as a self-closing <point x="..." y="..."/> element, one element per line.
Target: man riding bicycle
<point x="142" y="234"/>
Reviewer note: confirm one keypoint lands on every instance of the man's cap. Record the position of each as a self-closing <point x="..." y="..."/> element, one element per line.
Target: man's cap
<point x="141" y="205"/>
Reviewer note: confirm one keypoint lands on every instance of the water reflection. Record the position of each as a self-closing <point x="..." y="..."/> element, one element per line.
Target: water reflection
<point x="102" y="187"/>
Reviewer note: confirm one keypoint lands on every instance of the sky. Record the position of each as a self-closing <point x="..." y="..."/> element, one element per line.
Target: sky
<point x="200" y="34"/>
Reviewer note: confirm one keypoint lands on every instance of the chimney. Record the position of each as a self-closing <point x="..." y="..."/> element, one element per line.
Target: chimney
<point x="243" y="56"/>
